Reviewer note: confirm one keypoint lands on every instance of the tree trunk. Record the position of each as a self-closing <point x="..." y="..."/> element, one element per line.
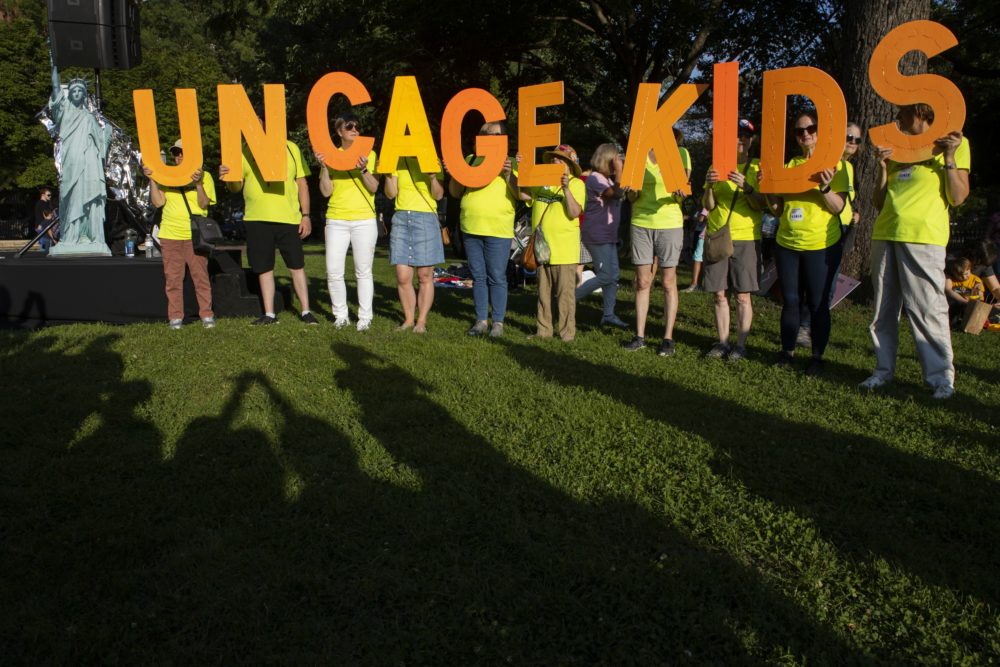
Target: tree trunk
<point x="865" y="24"/>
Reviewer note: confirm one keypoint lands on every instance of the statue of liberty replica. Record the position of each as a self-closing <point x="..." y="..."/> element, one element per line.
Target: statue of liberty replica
<point x="84" y="138"/>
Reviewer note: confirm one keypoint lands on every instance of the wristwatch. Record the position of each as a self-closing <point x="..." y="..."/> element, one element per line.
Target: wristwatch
<point x="365" y="170"/>
<point x="825" y="189"/>
<point x="748" y="189"/>
<point x="950" y="166"/>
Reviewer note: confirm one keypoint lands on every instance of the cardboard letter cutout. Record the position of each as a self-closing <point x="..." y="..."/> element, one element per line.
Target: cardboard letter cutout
<point x="174" y="176"/>
<point x="831" y="111"/>
<point x="407" y="133"/>
<point x="652" y="128"/>
<point x="941" y="94"/>
<point x="725" y="116"/>
<point x="317" y="114"/>
<point x="237" y="120"/>
<point x="531" y="136"/>
<point x="492" y="149"/>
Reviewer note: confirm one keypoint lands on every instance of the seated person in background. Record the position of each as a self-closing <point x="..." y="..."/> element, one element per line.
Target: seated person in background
<point x="961" y="287"/>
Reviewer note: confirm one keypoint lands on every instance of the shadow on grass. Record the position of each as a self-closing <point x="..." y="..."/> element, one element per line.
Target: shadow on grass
<point x="264" y="539"/>
<point x="931" y="518"/>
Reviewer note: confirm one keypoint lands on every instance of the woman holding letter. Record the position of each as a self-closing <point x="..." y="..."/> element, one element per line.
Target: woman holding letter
<point x="350" y="222"/>
<point x="808" y="247"/>
<point x="908" y="252"/>
<point x="415" y="241"/>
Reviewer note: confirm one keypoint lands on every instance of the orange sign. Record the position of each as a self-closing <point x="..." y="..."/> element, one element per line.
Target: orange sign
<point x="237" y="120"/>
<point x="831" y="112"/>
<point x="317" y="113"/>
<point x="492" y="149"/>
<point x="174" y="176"/>
<point x="652" y="129"/>
<point x="725" y="116"/>
<point x="407" y="133"/>
<point x="531" y="136"/>
<point x="941" y="94"/>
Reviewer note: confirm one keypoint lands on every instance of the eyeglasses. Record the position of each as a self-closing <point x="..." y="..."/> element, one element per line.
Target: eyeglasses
<point x="851" y="139"/>
<point x="176" y="151"/>
<point x="351" y="125"/>
<point x="803" y="131"/>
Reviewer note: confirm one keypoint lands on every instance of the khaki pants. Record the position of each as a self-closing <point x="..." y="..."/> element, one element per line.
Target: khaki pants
<point x="910" y="276"/>
<point x="561" y="281"/>
<point x="176" y="256"/>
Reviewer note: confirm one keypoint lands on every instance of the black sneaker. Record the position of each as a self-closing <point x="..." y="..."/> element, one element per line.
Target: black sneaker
<point x="637" y="343"/>
<point x="666" y="348"/>
<point x="784" y="360"/>
<point x="815" y="367"/>
<point x="308" y="318"/>
<point x="264" y="319"/>
<point x="718" y="351"/>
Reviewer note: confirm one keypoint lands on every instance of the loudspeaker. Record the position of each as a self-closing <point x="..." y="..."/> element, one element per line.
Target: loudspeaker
<point x="97" y="34"/>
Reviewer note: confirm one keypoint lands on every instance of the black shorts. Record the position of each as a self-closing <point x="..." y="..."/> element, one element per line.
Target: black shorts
<point x="264" y="237"/>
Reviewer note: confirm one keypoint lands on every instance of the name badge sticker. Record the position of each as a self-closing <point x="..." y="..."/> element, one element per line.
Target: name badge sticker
<point x="797" y="215"/>
<point x="905" y="174"/>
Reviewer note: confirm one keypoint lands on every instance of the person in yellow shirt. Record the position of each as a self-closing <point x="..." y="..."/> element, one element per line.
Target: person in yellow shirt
<point x="487" y="223"/>
<point x="557" y="209"/>
<point x="733" y="199"/>
<point x="657" y="239"/>
<point x="351" y="223"/>
<point x="808" y="247"/>
<point x="276" y="216"/>
<point x="848" y="228"/>
<point x="175" y="240"/>
<point x="908" y="252"/>
<point x="415" y="241"/>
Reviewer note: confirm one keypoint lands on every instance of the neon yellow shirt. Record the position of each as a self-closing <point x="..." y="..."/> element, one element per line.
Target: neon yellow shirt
<point x="274" y="201"/>
<point x="176" y="223"/>
<point x="489" y="210"/>
<point x="561" y="232"/>
<point x="916" y="202"/>
<point x="847" y="215"/>
<point x="744" y="224"/>
<point x="350" y="199"/>
<point x="806" y="223"/>
<point x="415" y="188"/>
<point x="656" y="208"/>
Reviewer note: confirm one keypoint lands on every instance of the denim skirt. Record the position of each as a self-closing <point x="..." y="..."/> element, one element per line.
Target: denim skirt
<point x="415" y="239"/>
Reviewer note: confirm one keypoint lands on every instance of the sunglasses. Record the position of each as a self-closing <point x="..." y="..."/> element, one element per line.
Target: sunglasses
<point x="803" y="131"/>
<point x="176" y="151"/>
<point x="351" y="125"/>
<point x="851" y="139"/>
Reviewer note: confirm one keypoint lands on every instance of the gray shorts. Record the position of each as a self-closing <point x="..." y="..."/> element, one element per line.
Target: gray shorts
<point x="740" y="271"/>
<point x="663" y="243"/>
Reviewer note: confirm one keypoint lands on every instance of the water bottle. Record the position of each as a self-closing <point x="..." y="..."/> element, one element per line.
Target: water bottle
<point x="130" y="248"/>
<point x="149" y="247"/>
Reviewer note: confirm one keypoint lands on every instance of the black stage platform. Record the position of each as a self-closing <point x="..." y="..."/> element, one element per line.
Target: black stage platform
<point x="35" y="291"/>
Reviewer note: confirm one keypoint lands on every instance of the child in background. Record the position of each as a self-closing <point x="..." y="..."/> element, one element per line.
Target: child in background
<point x="699" y="249"/>
<point x="961" y="287"/>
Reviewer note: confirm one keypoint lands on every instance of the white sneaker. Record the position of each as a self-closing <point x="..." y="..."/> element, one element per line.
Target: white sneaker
<point x="364" y="325"/>
<point x="341" y="322"/>
<point x="208" y="322"/>
<point x="943" y="392"/>
<point x="176" y="324"/>
<point x="874" y="382"/>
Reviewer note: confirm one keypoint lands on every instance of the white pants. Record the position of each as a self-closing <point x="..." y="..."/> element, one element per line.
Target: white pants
<point x="911" y="276"/>
<point x="361" y="235"/>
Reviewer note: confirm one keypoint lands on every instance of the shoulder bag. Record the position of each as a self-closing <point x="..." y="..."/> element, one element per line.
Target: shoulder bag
<point x="719" y="244"/>
<point x="205" y="232"/>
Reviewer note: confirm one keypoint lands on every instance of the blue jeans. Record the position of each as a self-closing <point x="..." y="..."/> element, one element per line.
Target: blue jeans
<point x="44" y="244"/>
<point x="487" y="257"/>
<point x="606" y="271"/>
<point x="816" y="270"/>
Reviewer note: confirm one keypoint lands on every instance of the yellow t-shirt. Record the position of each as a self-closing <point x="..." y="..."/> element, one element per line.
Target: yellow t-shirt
<point x="806" y="223"/>
<point x="656" y="208"/>
<point x="176" y="223"/>
<point x="415" y="188"/>
<point x="562" y="233"/>
<point x="847" y="215"/>
<point x="744" y="224"/>
<point x="971" y="286"/>
<point x="274" y="201"/>
<point x="489" y="210"/>
<point x="916" y="202"/>
<point x="350" y="199"/>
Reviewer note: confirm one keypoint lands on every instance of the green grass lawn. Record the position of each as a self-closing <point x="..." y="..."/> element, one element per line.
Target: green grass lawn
<point x="296" y="494"/>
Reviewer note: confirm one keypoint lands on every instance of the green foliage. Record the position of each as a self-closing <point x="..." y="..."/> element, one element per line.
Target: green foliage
<point x="300" y="494"/>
